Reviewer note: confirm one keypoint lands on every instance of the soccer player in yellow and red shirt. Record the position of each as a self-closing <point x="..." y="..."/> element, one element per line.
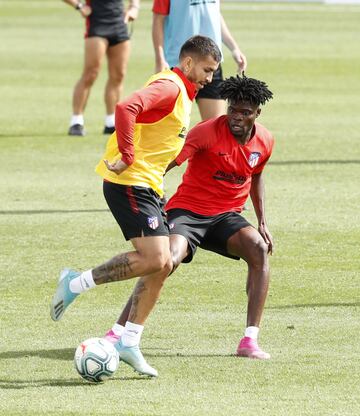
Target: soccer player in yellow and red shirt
<point x="150" y="132"/>
<point x="226" y="157"/>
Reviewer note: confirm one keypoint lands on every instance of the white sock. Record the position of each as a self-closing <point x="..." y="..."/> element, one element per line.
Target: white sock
<point x="110" y="120"/>
<point x="118" y="329"/>
<point x="252" y="332"/>
<point x="83" y="282"/>
<point x="77" y="119"/>
<point x="132" y="334"/>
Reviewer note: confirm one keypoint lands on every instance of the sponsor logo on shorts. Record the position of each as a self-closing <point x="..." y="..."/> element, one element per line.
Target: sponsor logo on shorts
<point x="153" y="222"/>
<point x="254" y="159"/>
<point x="171" y="225"/>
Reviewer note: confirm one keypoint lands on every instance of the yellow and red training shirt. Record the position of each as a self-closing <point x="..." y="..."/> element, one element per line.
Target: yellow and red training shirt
<point x="151" y="126"/>
<point x="219" y="171"/>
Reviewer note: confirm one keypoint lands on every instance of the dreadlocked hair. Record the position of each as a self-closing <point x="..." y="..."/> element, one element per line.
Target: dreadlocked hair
<point x="244" y="89"/>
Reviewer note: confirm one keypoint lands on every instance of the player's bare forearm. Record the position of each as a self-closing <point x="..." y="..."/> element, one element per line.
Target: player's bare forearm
<point x="82" y="7"/>
<point x="158" y="42"/>
<point x="116" y="269"/>
<point x="170" y="166"/>
<point x="232" y="45"/>
<point x="132" y="11"/>
<point x="257" y="194"/>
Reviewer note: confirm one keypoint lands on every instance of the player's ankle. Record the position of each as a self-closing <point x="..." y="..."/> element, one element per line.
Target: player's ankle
<point x="252" y="332"/>
<point x="132" y="334"/>
<point x="83" y="282"/>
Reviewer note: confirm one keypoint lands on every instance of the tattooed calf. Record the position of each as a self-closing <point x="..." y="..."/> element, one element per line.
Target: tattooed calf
<point x="118" y="268"/>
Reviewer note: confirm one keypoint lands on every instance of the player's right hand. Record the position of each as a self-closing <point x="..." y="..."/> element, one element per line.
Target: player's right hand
<point x="161" y="66"/>
<point x="117" y="167"/>
<point x="85" y="11"/>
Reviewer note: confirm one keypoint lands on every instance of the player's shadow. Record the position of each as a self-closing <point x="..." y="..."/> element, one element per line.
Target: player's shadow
<point x="168" y="354"/>
<point x="314" y="162"/>
<point x="52" y="211"/>
<point x="57" y="382"/>
<point x="316" y="305"/>
<point x="26" y="384"/>
<point x="32" y="134"/>
<point x="66" y="354"/>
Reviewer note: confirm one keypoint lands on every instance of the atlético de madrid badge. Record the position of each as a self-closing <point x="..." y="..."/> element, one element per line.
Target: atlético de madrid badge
<point x="254" y="159"/>
<point x="153" y="222"/>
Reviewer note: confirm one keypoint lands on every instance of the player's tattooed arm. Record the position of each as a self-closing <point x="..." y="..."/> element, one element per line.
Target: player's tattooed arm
<point x="118" y="268"/>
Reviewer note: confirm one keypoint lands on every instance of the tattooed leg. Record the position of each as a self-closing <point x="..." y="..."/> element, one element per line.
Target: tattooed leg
<point x="116" y="269"/>
<point x="145" y="295"/>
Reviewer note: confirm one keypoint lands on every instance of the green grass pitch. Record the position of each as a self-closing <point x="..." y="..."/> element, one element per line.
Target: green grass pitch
<point x="52" y="214"/>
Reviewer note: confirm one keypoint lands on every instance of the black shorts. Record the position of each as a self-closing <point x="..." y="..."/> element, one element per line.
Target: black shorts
<point x="208" y="232"/>
<point x="114" y="34"/>
<point x="138" y="210"/>
<point x="212" y="90"/>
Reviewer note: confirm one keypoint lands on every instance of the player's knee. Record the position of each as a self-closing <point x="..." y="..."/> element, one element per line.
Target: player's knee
<point x="90" y="76"/>
<point x="160" y="263"/>
<point x="117" y="77"/>
<point x="259" y="257"/>
<point x="175" y="257"/>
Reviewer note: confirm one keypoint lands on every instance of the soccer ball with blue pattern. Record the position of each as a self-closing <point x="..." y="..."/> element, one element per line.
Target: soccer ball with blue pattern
<point x="96" y="359"/>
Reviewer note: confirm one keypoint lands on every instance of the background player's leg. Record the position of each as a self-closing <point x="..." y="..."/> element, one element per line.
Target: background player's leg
<point x="95" y="50"/>
<point x="118" y="58"/>
<point x="210" y="107"/>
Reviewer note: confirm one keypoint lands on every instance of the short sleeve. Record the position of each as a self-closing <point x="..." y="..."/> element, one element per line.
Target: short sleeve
<point x="161" y="7"/>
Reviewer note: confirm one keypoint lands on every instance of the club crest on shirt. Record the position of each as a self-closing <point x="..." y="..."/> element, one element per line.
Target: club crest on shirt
<point x="153" y="222"/>
<point x="254" y="159"/>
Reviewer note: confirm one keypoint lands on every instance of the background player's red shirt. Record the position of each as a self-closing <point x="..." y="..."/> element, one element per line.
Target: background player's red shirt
<point x="161" y="7"/>
<point x="218" y="176"/>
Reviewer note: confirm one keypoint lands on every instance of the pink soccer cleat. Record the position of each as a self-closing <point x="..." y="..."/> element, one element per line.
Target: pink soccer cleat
<point x="112" y="337"/>
<point x="249" y="348"/>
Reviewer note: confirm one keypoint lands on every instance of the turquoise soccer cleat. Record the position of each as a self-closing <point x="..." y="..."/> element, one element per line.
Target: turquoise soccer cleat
<point x="133" y="357"/>
<point x="63" y="296"/>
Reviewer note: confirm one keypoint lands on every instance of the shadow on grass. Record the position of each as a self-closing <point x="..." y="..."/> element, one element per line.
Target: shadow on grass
<point x="72" y="382"/>
<point x="52" y="211"/>
<point x="34" y="134"/>
<point x="314" y="162"/>
<point x="67" y="354"/>
<point x="316" y="305"/>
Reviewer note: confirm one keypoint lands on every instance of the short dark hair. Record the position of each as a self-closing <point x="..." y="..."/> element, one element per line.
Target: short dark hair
<point x="243" y="89"/>
<point x="201" y="46"/>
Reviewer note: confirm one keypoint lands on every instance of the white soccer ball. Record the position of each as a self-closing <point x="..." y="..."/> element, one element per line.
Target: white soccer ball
<point x="96" y="359"/>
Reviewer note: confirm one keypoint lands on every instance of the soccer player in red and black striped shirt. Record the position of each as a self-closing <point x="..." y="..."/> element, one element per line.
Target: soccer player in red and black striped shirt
<point x="226" y="157"/>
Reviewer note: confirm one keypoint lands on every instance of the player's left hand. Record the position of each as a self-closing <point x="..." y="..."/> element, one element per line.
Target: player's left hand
<point x="266" y="235"/>
<point x="118" y="167"/>
<point x="131" y="14"/>
<point x="240" y="60"/>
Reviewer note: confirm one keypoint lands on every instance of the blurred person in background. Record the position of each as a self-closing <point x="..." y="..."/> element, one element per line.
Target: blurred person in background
<point x="174" y="21"/>
<point x="106" y="34"/>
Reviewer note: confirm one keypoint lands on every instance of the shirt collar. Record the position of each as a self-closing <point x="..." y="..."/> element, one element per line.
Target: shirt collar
<point x="190" y="86"/>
